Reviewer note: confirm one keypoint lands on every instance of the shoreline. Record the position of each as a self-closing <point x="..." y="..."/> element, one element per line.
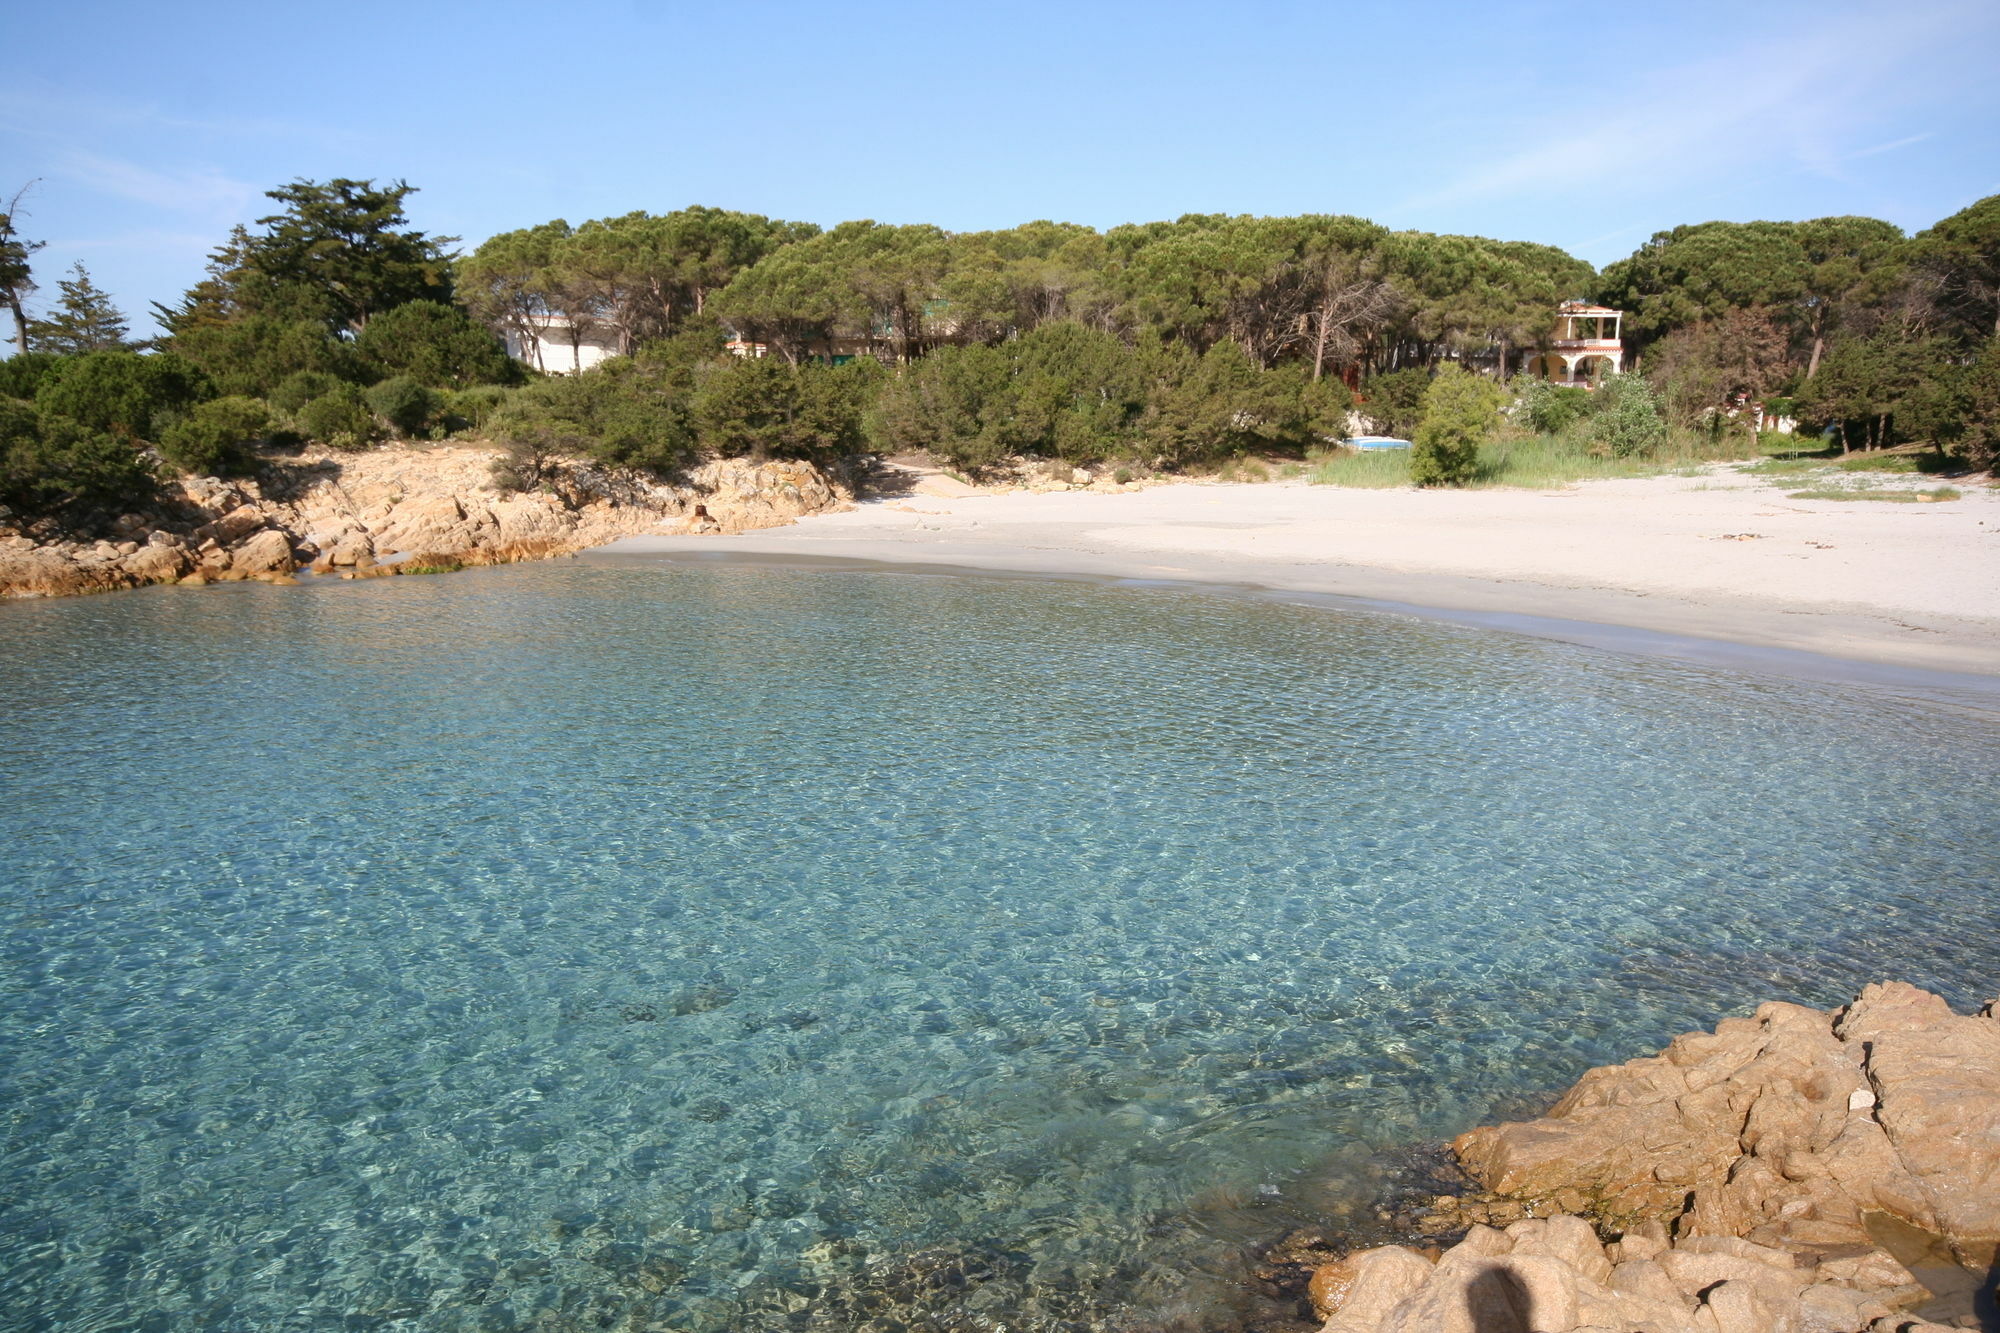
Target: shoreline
<point x="1974" y="691"/>
<point x="1286" y="541"/>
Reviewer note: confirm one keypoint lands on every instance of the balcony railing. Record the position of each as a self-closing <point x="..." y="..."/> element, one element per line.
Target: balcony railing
<point x="1588" y="344"/>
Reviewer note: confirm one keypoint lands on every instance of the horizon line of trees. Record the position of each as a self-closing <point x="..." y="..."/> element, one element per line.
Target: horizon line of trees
<point x="1167" y="343"/>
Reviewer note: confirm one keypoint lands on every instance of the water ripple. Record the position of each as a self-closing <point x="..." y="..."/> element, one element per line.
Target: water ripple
<point x="569" y="945"/>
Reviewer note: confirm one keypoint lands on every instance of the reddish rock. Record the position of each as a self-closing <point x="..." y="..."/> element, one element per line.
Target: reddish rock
<point x="237" y="524"/>
<point x="267" y="552"/>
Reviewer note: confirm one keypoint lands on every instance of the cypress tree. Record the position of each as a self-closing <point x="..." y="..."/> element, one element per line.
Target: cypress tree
<point x="84" y="320"/>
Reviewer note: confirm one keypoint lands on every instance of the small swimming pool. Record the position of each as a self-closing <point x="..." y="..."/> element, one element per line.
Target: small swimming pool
<point x="1375" y="442"/>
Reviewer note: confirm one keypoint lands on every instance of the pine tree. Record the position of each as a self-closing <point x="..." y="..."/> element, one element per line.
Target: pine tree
<point x="84" y="320"/>
<point x="16" y="274"/>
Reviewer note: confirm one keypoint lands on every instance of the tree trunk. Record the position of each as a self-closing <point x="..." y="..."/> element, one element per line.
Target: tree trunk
<point x="20" y="324"/>
<point x="531" y="337"/>
<point x="1503" y="360"/>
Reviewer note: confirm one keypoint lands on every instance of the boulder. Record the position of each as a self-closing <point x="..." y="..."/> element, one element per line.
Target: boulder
<point x="1936" y="1077"/>
<point x="54" y="571"/>
<point x="1742" y="1307"/>
<point x="1471" y="1293"/>
<point x="435" y="523"/>
<point x="527" y="520"/>
<point x="348" y="548"/>
<point x="1374" y="1283"/>
<point x="739" y="495"/>
<point x="157" y="563"/>
<point x="1784" y="1129"/>
<point x="267" y="552"/>
<point x="237" y="524"/>
<point x="1550" y="1276"/>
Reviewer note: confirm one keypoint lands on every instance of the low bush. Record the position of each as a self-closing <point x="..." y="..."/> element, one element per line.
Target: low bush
<point x="301" y="387"/>
<point x="120" y="392"/>
<point x="1395" y="401"/>
<point x="50" y="465"/>
<point x="254" y="355"/>
<point x="214" y="438"/>
<point x="1461" y="411"/>
<point x="1550" y="409"/>
<point x="340" y="420"/>
<point x="436" y="345"/>
<point x="471" y="409"/>
<point x="22" y="373"/>
<point x="405" y="404"/>
<point x="1625" y="420"/>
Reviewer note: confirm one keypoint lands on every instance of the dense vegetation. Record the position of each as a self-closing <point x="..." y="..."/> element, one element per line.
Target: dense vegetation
<point x="1168" y="345"/>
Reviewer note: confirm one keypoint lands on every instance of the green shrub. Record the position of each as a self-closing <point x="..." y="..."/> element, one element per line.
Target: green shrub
<point x="619" y="414"/>
<point x="48" y="465"/>
<point x="471" y="409"/>
<point x="1395" y="401"/>
<point x="22" y="373"/>
<point x="1626" y="421"/>
<point x="253" y="355"/>
<point x="1220" y="405"/>
<point x="947" y="404"/>
<point x="340" y="420"/>
<point x="763" y="407"/>
<point x="405" y="404"/>
<point x="1461" y="410"/>
<point x="214" y="438"/>
<point x="1551" y="409"/>
<point x="436" y="345"/>
<point x="120" y="392"/>
<point x="301" y="387"/>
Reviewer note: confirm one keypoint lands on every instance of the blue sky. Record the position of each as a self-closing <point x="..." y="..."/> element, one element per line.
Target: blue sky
<point x="149" y="129"/>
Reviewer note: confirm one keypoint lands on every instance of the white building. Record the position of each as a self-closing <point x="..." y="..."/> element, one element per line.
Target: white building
<point x="1586" y="346"/>
<point x="551" y="344"/>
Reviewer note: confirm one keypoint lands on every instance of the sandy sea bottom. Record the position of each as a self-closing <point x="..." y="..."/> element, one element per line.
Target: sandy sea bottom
<point x="587" y="945"/>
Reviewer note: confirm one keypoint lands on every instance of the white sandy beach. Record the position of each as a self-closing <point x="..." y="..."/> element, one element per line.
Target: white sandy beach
<point x="1719" y="556"/>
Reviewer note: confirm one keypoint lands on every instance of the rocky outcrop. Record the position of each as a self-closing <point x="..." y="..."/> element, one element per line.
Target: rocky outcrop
<point x="1553" y="1275"/>
<point x="736" y="495"/>
<point x="1748" y="1175"/>
<point x="1786" y="1129"/>
<point x="364" y="514"/>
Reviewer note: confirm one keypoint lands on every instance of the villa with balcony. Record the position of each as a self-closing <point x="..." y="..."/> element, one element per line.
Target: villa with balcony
<point x="1585" y="349"/>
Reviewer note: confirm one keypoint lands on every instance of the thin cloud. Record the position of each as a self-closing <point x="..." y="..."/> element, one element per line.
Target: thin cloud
<point x="1682" y="125"/>
<point x="142" y="242"/>
<point x="49" y="111"/>
<point x="1891" y="146"/>
<point x="1612" y="235"/>
<point x="201" y="191"/>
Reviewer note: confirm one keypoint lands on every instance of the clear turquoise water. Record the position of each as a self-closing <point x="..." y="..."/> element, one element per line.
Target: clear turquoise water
<point x="593" y="945"/>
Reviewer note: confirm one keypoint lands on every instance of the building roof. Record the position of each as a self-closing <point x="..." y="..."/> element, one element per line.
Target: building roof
<point x="1585" y="308"/>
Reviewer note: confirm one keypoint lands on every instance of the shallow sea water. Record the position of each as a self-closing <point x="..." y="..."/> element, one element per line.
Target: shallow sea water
<point x="611" y="945"/>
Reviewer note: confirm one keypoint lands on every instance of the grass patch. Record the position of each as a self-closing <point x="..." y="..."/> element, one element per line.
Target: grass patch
<point x="1903" y="463"/>
<point x="1539" y="461"/>
<point x="1373" y="468"/>
<point x="1785" y="467"/>
<point x="1907" y="460"/>
<point x="1244" y="469"/>
<point x="1932" y="496"/>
